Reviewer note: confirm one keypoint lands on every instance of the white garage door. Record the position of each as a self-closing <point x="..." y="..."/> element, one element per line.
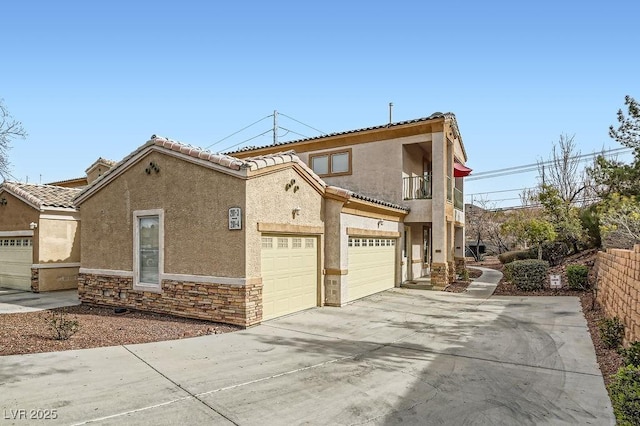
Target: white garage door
<point x="15" y="262"/>
<point x="289" y="274"/>
<point x="371" y="266"/>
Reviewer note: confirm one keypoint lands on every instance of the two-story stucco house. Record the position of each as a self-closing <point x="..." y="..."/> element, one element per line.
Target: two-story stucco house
<point x="418" y="164"/>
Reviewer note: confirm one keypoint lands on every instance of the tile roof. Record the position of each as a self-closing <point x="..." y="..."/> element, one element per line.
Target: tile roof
<point x="435" y="115"/>
<point x="233" y="163"/>
<point x="42" y="196"/>
<point x="376" y="201"/>
<point x="109" y="163"/>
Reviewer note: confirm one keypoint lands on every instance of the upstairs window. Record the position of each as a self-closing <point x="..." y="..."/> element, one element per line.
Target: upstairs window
<point x="335" y="163"/>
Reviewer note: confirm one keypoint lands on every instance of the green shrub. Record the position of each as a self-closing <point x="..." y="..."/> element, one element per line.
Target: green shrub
<point x="61" y="325"/>
<point x="631" y="355"/>
<point x="611" y="332"/>
<point x="625" y="395"/>
<point x="527" y="275"/>
<point x="510" y="256"/>
<point x="552" y="252"/>
<point x="577" y="276"/>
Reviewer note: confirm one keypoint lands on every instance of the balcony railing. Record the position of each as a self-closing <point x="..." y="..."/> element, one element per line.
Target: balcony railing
<point x="417" y="187"/>
<point x="458" y="199"/>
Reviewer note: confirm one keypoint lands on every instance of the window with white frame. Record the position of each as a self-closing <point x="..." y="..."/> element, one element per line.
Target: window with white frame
<point x="148" y="251"/>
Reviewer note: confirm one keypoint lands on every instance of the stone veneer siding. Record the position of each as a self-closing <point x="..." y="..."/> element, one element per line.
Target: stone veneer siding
<point x="232" y="304"/>
<point x="439" y="274"/>
<point x="35" y="280"/>
<point x="619" y="288"/>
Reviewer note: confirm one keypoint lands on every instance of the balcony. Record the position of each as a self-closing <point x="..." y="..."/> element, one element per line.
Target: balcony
<point x="416" y="188"/>
<point x="458" y="199"/>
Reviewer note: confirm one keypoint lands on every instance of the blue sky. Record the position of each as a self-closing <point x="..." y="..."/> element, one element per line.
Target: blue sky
<point x="91" y="79"/>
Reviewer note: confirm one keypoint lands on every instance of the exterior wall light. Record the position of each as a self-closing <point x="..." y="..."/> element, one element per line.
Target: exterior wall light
<point x="3" y="201"/>
<point x="296" y="212"/>
<point x="380" y="223"/>
<point x="33" y="225"/>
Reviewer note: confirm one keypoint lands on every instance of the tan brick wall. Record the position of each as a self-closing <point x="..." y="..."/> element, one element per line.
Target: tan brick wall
<point x="232" y="304"/>
<point x="618" y="288"/>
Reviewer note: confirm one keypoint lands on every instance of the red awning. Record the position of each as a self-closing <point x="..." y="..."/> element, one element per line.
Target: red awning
<point x="460" y="171"/>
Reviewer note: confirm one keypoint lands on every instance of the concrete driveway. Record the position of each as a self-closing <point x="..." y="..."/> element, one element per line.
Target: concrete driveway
<point x="402" y="356"/>
<point x="16" y="301"/>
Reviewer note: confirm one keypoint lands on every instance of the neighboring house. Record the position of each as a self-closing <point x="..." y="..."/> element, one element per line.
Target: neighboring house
<point x="179" y="230"/>
<point x="93" y="172"/>
<point x="418" y="164"/>
<point x="40" y="232"/>
<point x="39" y="237"/>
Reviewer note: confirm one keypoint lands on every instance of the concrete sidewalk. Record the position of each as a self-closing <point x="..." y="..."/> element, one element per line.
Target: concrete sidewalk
<point x="16" y="301"/>
<point x="484" y="286"/>
<point x="401" y="356"/>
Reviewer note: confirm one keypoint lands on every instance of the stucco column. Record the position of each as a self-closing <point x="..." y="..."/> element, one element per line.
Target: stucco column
<point x="439" y="268"/>
<point x="459" y="248"/>
<point x="335" y="255"/>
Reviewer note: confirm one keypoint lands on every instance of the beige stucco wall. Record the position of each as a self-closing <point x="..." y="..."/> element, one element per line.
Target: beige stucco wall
<point x="268" y="201"/>
<point x="59" y="240"/>
<point x="195" y="200"/>
<point x="16" y="215"/>
<point x="57" y="278"/>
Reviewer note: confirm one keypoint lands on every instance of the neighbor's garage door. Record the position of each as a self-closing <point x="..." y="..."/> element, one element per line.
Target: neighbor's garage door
<point x="289" y="274"/>
<point x="15" y="262"/>
<point x="371" y="266"/>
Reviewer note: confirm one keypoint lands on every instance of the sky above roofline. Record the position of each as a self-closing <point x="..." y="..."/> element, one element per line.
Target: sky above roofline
<point x="96" y="79"/>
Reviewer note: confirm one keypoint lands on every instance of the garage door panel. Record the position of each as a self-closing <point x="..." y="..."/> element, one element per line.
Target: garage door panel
<point x="16" y="256"/>
<point x="289" y="274"/>
<point x="371" y="266"/>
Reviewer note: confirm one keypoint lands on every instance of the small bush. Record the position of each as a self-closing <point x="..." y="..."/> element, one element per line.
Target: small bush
<point x="611" y="332"/>
<point x="625" y="395"/>
<point x="510" y="256"/>
<point x="61" y="324"/>
<point x="552" y="252"/>
<point x="527" y="275"/>
<point x="577" y="276"/>
<point x="631" y="355"/>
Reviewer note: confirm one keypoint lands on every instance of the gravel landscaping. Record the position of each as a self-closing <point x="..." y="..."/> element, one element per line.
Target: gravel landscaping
<point x="25" y="333"/>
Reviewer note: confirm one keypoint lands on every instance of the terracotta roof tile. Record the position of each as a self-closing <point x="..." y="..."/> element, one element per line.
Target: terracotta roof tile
<point x="435" y="115"/>
<point x="43" y="195"/>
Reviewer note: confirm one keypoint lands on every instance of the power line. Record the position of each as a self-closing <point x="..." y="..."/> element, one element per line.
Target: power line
<point x="291" y="131"/>
<point x="235" y="133"/>
<point x="534" y="167"/>
<point x="247" y="140"/>
<point x="297" y="121"/>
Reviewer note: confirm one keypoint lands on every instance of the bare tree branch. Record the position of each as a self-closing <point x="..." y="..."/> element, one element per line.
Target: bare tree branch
<point x="9" y="129"/>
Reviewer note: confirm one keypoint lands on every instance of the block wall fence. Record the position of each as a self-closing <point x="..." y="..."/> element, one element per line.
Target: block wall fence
<point x="619" y="288"/>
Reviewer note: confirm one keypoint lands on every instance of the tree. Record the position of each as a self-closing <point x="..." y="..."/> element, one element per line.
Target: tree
<point x="620" y="221"/>
<point x="628" y="132"/>
<point x="563" y="172"/>
<point x="563" y="215"/>
<point x="482" y="223"/>
<point x="9" y="129"/>
<point x="612" y="176"/>
<point x="530" y="230"/>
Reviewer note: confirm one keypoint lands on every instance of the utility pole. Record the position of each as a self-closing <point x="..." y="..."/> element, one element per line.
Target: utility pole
<point x="275" y="127"/>
<point x="390" y="112"/>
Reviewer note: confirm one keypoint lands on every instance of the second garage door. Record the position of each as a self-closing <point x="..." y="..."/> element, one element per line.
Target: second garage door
<point x="16" y="256"/>
<point x="289" y="274"/>
<point x="371" y="266"/>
